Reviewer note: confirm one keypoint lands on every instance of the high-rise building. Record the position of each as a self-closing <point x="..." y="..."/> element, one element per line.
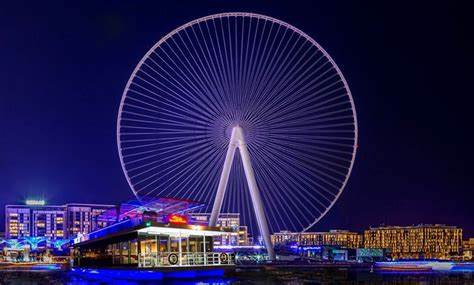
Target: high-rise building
<point x="237" y="235"/>
<point x="35" y="219"/>
<point x="421" y="241"/>
<point x="340" y="238"/>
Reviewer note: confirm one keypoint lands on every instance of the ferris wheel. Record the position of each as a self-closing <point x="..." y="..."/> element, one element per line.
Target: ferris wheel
<point x="245" y="113"/>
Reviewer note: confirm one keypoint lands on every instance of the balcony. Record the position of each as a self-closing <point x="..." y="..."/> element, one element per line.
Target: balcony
<point x="177" y="259"/>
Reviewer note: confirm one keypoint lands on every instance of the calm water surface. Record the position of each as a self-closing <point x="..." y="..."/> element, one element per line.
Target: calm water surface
<point x="276" y="277"/>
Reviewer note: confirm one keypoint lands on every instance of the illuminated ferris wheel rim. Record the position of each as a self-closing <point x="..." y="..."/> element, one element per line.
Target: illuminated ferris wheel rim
<point x="259" y="17"/>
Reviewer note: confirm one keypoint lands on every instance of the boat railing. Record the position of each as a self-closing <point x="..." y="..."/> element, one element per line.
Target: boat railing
<point x="165" y="259"/>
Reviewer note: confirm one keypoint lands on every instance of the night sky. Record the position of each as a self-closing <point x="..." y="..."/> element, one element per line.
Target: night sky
<point x="410" y="69"/>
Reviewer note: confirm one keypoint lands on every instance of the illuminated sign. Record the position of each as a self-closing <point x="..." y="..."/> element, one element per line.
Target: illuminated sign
<point x="177" y="219"/>
<point x="30" y="202"/>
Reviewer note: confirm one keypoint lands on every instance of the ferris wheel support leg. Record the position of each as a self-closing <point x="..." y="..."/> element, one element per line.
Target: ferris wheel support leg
<point x="216" y="208"/>
<point x="256" y="201"/>
<point x="237" y="140"/>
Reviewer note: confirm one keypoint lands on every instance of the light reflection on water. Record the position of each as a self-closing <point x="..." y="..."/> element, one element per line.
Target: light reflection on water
<point x="274" y="277"/>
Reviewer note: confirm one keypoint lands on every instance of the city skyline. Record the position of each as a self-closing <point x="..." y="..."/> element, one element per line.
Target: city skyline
<point x="405" y="171"/>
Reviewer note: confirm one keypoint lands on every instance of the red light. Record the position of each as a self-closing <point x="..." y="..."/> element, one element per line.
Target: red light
<point x="177" y="219"/>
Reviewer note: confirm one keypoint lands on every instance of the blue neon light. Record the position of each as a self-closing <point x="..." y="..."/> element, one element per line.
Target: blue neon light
<point x="145" y="275"/>
<point x="59" y="243"/>
<point x="34" y="241"/>
<point x="14" y="244"/>
<point x="113" y="228"/>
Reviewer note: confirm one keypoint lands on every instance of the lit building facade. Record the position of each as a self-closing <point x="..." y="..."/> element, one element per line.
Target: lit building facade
<point x="235" y="235"/>
<point x="81" y="218"/>
<point x="468" y="249"/>
<point x="341" y="238"/>
<point x="421" y="241"/>
<point x="48" y="221"/>
<point x="51" y="221"/>
<point x="17" y="222"/>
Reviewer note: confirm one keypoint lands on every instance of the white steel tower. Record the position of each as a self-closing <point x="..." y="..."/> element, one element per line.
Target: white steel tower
<point x="237" y="140"/>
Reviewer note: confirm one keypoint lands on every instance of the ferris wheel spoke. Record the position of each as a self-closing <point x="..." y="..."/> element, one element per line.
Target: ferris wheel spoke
<point x="212" y="182"/>
<point x="193" y="73"/>
<point x="218" y="56"/>
<point x="166" y="140"/>
<point x="164" y="89"/>
<point x="279" y="180"/>
<point x="259" y="65"/>
<point x="170" y="159"/>
<point x="277" y="92"/>
<point x="290" y="90"/>
<point x="179" y="90"/>
<point x="190" y="107"/>
<point x="285" y="63"/>
<point x="218" y="76"/>
<point x="308" y="109"/>
<point x="138" y="121"/>
<point x="301" y="81"/>
<point x="321" y="127"/>
<point x="321" y="151"/>
<point x="166" y="148"/>
<point x="183" y="122"/>
<point x="178" y="161"/>
<point x="239" y="58"/>
<point x="279" y="76"/>
<point x="283" y="107"/>
<point x="325" y="115"/>
<point x="289" y="162"/>
<point x="251" y="74"/>
<point x="231" y="58"/>
<point x="185" y="111"/>
<point x="188" y="174"/>
<point x="181" y="76"/>
<point x="271" y="116"/>
<point x="192" y="79"/>
<point x="311" y="107"/>
<point x="168" y="112"/>
<point x="251" y="63"/>
<point x="317" y="161"/>
<point x="208" y="82"/>
<point x="307" y="171"/>
<point x="343" y="118"/>
<point x="246" y="62"/>
<point x="169" y="146"/>
<point x="270" y="178"/>
<point x="271" y="66"/>
<point x="170" y="81"/>
<point x="222" y="51"/>
<point x="288" y="71"/>
<point x="341" y="147"/>
<point x="228" y="58"/>
<point x="214" y="81"/>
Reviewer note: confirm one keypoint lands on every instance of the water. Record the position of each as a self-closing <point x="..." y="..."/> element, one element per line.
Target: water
<point x="324" y="276"/>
